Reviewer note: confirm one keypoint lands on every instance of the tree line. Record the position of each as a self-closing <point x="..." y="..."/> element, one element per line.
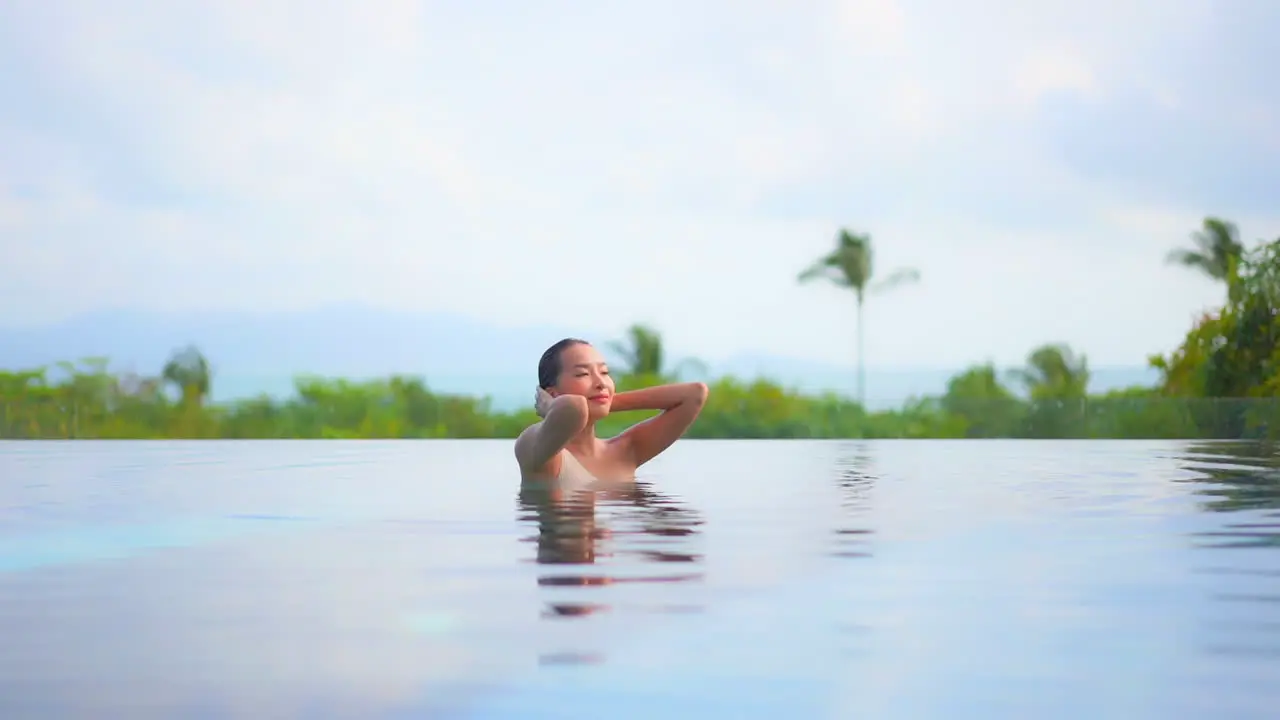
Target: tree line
<point x="1221" y="381"/>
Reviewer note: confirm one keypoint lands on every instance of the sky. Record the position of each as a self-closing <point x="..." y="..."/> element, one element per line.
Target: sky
<point x="591" y="165"/>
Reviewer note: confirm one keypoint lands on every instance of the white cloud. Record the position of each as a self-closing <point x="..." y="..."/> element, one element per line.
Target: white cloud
<point x="602" y="165"/>
<point x="1054" y="71"/>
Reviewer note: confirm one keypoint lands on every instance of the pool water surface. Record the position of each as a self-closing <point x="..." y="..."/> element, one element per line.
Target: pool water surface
<point x="923" y="579"/>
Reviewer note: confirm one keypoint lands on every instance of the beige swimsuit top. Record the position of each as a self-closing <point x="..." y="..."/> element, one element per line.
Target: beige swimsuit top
<point x="572" y="475"/>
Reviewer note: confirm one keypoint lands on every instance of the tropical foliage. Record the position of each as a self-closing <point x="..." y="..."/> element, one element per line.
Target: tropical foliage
<point x="1221" y="381"/>
<point x="1235" y="351"/>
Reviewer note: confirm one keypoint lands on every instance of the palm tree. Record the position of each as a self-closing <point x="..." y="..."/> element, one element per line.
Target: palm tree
<point x="850" y="266"/>
<point x="642" y="354"/>
<point x="190" y="372"/>
<point x="1057" y="379"/>
<point x="1055" y="372"/>
<point x="1217" y="250"/>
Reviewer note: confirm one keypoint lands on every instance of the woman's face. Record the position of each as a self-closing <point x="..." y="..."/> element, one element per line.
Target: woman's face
<point x="584" y="372"/>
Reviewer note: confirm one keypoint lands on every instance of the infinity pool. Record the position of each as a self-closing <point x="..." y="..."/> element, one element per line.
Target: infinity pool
<point x="949" y="579"/>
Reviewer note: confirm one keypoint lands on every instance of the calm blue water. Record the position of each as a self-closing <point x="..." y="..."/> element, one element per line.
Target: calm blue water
<point x="895" y="579"/>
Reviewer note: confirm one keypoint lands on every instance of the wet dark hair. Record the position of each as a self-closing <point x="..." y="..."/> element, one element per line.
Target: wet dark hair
<point x="549" y="366"/>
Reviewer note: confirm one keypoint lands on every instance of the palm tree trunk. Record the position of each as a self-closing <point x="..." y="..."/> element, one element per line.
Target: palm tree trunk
<point x="862" y="370"/>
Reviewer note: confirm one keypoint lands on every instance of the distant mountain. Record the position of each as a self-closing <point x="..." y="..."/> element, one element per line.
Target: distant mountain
<point x="346" y="340"/>
<point x="261" y="353"/>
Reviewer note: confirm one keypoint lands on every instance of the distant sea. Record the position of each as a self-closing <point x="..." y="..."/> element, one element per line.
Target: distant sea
<point x="885" y="389"/>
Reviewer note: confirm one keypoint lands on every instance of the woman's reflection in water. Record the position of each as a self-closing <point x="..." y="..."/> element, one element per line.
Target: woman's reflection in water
<point x="570" y="533"/>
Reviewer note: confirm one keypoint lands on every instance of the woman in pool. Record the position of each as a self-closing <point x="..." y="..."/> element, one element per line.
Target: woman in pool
<point x="574" y="392"/>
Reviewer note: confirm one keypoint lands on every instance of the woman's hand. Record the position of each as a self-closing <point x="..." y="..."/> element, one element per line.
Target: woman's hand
<point x="562" y="418"/>
<point x="542" y="402"/>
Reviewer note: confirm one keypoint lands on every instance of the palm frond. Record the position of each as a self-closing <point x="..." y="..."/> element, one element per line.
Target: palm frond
<point x="897" y="278"/>
<point x="835" y="277"/>
<point x="821" y="268"/>
<point x="1217" y="249"/>
<point x="1188" y="258"/>
<point x="1219" y="238"/>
